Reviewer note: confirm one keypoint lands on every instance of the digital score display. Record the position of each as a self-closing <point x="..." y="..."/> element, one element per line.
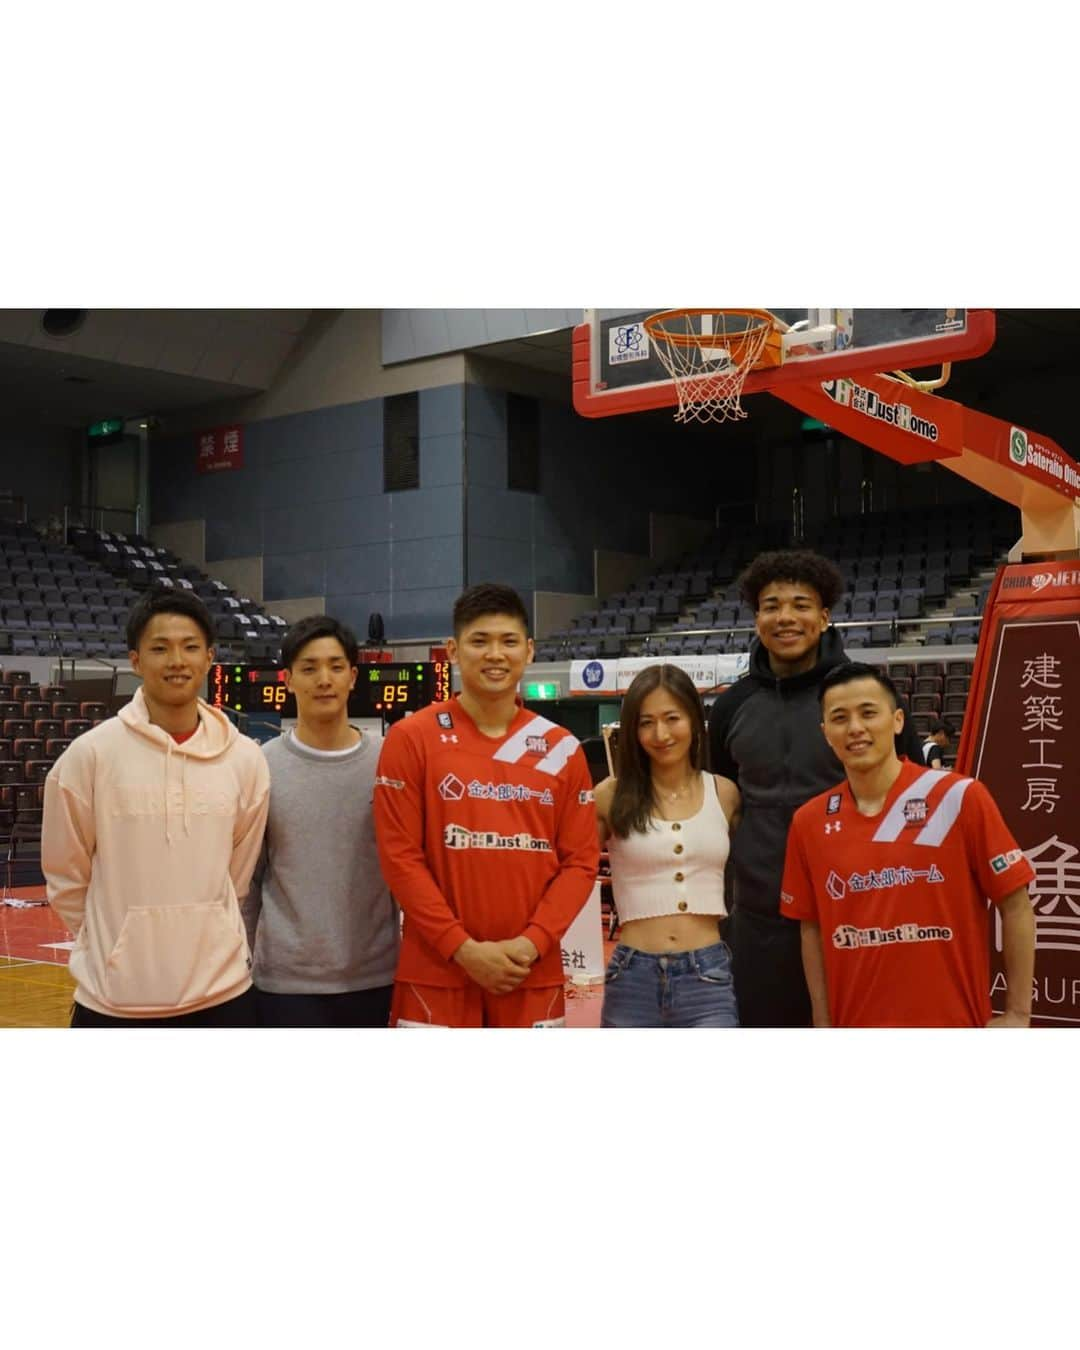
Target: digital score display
<point x="386" y="691"/>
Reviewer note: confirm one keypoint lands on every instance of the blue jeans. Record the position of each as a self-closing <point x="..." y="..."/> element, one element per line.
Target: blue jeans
<point x="676" y="989"/>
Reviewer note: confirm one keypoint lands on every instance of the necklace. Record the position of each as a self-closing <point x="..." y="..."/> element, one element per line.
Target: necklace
<point x="673" y="796"/>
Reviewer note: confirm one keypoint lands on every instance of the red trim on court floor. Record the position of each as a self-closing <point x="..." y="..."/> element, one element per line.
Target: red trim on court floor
<point x="28" y="933"/>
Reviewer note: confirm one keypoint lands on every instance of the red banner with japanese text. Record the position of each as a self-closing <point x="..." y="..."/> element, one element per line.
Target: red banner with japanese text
<point x="220" y="448"/>
<point x="1022" y="739"/>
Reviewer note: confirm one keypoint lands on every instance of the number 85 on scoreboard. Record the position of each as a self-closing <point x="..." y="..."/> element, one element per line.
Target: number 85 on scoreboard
<point x="382" y="691"/>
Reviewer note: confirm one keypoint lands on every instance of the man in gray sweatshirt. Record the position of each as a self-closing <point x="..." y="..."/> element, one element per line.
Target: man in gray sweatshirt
<point x="321" y="923"/>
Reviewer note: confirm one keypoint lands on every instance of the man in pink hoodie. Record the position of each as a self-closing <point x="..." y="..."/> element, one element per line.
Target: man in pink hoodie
<point x="152" y="827"/>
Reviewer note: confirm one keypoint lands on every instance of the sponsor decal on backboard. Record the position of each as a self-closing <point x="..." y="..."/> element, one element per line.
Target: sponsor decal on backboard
<point x="860" y="399"/>
<point x="627" y="342"/>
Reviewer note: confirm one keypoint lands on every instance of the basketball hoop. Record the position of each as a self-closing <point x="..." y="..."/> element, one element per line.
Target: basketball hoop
<point x="709" y="352"/>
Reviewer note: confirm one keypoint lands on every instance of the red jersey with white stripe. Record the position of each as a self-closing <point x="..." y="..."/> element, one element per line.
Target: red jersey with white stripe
<point x="901" y="897"/>
<point x="483" y="838"/>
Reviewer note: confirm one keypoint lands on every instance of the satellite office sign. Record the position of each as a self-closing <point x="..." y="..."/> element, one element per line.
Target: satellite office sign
<point x="220" y="448"/>
<point x="1026" y="749"/>
<point x="593" y="677"/>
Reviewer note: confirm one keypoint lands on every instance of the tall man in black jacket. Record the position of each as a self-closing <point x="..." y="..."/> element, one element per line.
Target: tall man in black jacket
<point x="765" y="733"/>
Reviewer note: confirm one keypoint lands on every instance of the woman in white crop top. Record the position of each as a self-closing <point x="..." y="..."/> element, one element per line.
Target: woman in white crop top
<point x="666" y="824"/>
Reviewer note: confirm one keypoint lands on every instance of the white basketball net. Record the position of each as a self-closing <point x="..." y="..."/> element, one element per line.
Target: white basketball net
<point x="709" y="367"/>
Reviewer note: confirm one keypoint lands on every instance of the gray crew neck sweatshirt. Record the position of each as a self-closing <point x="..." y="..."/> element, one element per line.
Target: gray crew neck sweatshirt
<point x="319" y="916"/>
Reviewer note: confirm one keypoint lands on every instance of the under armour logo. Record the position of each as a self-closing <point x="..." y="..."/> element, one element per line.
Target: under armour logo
<point x="834" y="826"/>
<point x="451" y="737"/>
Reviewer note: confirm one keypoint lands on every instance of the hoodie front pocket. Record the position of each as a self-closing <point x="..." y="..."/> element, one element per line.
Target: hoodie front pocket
<point x="173" y="956"/>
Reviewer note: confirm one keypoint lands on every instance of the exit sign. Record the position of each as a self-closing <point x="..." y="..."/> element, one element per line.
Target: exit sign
<point x="111" y="426"/>
<point x="538" y="693"/>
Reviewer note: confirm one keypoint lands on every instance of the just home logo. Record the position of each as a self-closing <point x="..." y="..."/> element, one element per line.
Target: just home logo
<point x="859" y="399"/>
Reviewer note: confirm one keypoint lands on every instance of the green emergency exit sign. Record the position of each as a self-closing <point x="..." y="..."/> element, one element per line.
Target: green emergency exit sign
<point x="112" y="426"/>
<point x="537" y="693"/>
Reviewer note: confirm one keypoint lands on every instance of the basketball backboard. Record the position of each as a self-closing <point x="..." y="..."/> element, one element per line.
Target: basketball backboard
<point x="616" y="369"/>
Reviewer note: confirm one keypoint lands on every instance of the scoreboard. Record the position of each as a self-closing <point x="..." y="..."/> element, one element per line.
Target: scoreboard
<point x="386" y="691"/>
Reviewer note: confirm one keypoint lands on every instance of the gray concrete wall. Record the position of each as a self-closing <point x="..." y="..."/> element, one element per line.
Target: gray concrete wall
<point x="553" y="610"/>
<point x="618" y="571"/>
<point x="185" y="538"/>
<point x="671" y="535"/>
<point x="244" y="575"/>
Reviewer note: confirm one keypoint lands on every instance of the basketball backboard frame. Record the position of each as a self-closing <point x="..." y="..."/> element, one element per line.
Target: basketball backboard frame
<point x="894" y="340"/>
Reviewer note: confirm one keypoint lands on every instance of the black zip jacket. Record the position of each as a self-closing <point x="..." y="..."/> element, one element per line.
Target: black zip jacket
<point x="765" y="733"/>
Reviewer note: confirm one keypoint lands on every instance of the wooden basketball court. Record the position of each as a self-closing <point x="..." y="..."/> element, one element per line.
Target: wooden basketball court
<point x="35" y="987"/>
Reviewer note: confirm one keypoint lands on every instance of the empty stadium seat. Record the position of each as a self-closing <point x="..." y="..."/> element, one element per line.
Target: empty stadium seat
<point x="911" y="605"/>
<point x="934" y="587"/>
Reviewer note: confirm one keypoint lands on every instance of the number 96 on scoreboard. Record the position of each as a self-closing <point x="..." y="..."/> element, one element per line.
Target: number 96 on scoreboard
<point x="386" y="691"/>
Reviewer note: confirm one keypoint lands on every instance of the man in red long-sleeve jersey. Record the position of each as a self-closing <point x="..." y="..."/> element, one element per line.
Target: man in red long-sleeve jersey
<point x="486" y="831"/>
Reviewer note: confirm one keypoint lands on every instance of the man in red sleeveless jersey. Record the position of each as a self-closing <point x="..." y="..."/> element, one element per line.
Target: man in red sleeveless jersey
<point x="486" y="831"/>
<point x="890" y="873"/>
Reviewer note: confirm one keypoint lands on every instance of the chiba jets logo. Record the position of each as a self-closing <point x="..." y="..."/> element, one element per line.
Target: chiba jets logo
<point x="915" y="811"/>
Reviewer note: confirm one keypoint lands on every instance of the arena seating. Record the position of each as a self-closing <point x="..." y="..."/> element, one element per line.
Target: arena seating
<point x="72" y="600"/>
<point x="39" y="722"/>
<point x="908" y="576"/>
